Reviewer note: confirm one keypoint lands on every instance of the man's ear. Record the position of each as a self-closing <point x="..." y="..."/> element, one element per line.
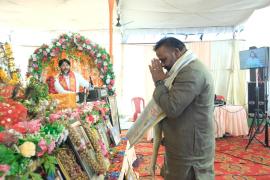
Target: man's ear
<point x="178" y="53"/>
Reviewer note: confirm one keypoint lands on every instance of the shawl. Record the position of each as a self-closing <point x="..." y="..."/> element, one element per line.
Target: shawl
<point x="152" y="113"/>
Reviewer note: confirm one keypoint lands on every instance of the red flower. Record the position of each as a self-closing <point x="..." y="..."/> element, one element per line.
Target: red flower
<point x="99" y="65"/>
<point x="90" y="119"/>
<point x="28" y="74"/>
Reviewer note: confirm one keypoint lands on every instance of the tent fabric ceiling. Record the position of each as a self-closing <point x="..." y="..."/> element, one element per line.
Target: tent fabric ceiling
<point x="185" y="14"/>
<point x="54" y="14"/>
<point x="85" y="15"/>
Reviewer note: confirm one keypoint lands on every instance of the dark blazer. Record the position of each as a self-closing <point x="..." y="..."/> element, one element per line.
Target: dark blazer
<point x="188" y="128"/>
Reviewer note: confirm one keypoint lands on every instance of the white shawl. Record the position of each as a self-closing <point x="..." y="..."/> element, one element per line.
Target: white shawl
<point x="152" y="113"/>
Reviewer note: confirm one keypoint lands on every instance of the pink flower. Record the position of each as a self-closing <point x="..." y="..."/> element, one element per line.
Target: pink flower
<point x="87" y="41"/>
<point x="51" y="147"/>
<point x="105" y="68"/>
<point x="4" y="167"/>
<point x="103" y="148"/>
<point x="43" y="147"/>
<point x="61" y="40"/>
<point x="109" y="87"/>
<point x="32" y="126"/>
<point x="45" y="53"/>
<point x="54" y="117"/>
<point x="103" y="56"/>
<point x="112" y="82"/>
<point x="92" y="53"/>
<point x="102" y="111"/>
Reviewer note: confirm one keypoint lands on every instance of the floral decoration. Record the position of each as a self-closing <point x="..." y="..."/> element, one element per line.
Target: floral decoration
<point x="11" y="75"/>
<point x="11" y="112"/>
<point x="68" y="42"/>
<point x="34" y="143"/>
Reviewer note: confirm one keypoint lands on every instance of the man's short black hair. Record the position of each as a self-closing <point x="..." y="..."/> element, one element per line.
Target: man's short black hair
<point x="62" y="61"/>
<point x="170" y="42"/>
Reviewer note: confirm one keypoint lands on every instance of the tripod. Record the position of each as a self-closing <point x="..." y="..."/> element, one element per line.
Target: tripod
<point x="260" y="121"/>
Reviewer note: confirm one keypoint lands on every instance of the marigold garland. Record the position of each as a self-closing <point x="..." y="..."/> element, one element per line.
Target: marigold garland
<point x="13" y="79"/>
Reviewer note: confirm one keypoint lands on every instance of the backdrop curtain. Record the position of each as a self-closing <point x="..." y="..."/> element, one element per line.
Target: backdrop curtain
<point x="221" y="57"/>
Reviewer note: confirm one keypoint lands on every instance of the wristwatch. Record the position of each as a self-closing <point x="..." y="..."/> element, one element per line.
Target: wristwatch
<point x="159" y="82"/>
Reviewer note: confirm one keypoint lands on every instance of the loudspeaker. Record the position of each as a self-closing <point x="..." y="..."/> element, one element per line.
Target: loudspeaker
<point x="252" y="106"/>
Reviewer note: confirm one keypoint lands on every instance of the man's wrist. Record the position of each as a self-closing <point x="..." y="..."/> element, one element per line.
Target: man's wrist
<point x="159" y="82"/>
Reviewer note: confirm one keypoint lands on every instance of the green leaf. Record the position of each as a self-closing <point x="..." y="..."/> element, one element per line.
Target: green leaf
<point x="2" y="128"/>
<point x="35" y="176"/>
<point x="49" y="163"/>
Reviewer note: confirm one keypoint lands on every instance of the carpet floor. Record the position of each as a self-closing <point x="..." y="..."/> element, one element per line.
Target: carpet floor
<point x="232" y="161"/>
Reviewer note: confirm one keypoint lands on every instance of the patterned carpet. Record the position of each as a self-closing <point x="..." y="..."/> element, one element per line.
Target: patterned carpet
<point x="232" y="161"/>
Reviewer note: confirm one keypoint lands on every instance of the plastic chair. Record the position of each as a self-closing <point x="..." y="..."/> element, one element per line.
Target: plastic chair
<point x="137" y="103"/>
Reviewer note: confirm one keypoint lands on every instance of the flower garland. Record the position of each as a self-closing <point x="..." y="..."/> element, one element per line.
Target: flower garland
<point x="68" y="42"/>
<point x="14" y="73"/>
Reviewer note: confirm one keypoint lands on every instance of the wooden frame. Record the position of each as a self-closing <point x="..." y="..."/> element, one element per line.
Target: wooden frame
<point x="115" y="129"/>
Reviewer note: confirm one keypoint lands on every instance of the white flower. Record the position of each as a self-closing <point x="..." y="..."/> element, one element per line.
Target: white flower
<point x="108" y="81"/>
<point x="108" y="76"/>
<point x="58" y="44"/>
<point x="98" y="55"/>
<point x="27" y="149"/>
<point x="48" y="50"/>
<point x="34" y="56"/>
<point x="105" y="63"/>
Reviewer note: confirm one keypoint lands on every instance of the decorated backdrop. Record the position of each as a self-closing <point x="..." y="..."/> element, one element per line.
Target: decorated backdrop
<point x="85" y="56"/>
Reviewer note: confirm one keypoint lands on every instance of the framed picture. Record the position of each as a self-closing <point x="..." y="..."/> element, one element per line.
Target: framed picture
<point x="102" y="130"/>
<point x="114" y="126"/>
<point x="114" y="113"/>
<point x="114" y="133"/>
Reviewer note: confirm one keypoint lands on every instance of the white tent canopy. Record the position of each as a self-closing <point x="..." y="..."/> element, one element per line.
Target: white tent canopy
<point x="77" y="15"/>
<point x="191" y="13"/>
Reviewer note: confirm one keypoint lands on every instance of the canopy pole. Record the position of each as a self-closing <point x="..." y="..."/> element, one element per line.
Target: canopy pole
<point x="111" y="5"/>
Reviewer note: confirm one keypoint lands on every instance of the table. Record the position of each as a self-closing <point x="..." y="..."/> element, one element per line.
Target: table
<point x="230" y="119"/>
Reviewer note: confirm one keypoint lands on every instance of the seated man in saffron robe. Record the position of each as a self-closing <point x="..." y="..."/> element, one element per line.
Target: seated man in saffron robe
<point x="68" y="81"/>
